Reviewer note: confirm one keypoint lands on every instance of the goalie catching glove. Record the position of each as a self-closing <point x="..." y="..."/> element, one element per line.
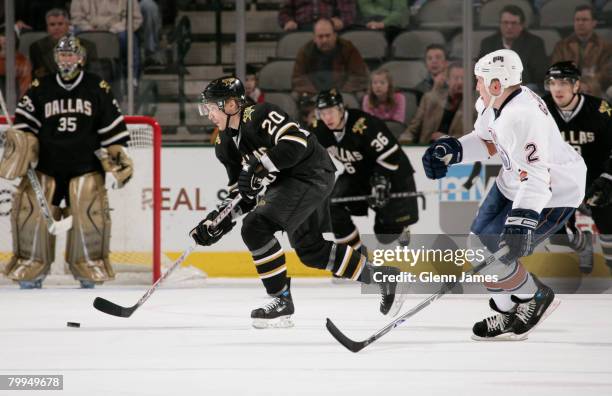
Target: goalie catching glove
<point x="117" y="164"/>
<point x="205" y="234"/>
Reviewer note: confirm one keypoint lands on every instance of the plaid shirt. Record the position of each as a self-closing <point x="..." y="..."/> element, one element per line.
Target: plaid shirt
<point x="305" y="12"/>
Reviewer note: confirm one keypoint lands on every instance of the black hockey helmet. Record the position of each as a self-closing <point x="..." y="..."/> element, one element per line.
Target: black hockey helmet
<point x="220" y="90"/>
<point x="566" y="70"/>
<point x="329" y="98"/>
<point x="69" y="44"/>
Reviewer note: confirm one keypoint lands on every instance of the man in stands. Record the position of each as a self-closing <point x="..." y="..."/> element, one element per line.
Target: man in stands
<point x="513" y="35"/>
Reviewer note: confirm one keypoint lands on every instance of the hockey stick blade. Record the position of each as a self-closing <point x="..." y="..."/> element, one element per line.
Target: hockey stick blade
<point x="356" y="346"/>
<point x="353" y="346"/>
<point x="110" y="308"/>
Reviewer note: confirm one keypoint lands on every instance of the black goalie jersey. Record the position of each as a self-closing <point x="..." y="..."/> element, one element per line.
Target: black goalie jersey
<point x="365" y="147"/>
<point x="71" y="122"/>
<point x="266" y="129"/>
<point x="589" y="130"/>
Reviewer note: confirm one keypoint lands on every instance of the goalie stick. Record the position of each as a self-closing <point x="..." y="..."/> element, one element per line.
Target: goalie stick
<point x="54" y="227"/>
<point x="110" y="308"/>
<point x="356" y="346"/>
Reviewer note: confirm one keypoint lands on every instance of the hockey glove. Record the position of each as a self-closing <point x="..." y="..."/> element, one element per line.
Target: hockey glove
<point x="518" y="234"/>
<point x="242" y="208"/>
<point x="442" y="153"/>
<point x="118" y="165"/>
<point x="381" y="190"/>
<point x="250" y="181"/>
<point x="204" y="234"/>
<point x="600" y="192"/>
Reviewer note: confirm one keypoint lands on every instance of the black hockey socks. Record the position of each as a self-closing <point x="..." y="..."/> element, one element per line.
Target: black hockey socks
<point x="353" y="239"/>
<point x="345" y="262"/>
<point x="270" y="264"/>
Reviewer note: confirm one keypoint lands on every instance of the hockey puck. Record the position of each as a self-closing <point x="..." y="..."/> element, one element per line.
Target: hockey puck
<point x="73" y="324"/>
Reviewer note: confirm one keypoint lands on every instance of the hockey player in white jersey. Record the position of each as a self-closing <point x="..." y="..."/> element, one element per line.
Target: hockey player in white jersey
<point x="541" y="183"/>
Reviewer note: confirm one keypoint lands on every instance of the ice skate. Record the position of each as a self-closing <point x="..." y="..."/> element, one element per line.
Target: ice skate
<point x="530" y="313"/>
<point x="390" y="301"/>
<point x="275" y="314"/>
<point x="497" y="327"/>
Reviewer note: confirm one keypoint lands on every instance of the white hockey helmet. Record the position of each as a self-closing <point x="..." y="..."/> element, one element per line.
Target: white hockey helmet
<point x="504" y="65"/>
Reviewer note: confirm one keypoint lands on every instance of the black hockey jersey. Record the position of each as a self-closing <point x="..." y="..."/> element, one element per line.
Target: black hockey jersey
<point x="366" y="146"/>
<point x="266" y="129"/>
<point x="589" y="130"/>
<point x="71" y="122"/>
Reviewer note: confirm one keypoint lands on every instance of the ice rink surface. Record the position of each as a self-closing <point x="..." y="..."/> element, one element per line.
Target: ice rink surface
<point x="200" y="342"/>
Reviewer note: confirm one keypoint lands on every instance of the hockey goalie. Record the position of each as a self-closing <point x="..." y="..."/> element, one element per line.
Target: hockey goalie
<point x="69" y="126"/>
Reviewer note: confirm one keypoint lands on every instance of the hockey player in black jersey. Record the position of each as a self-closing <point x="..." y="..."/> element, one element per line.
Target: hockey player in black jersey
<point x="374" y="164"/>
<point x="76" y="123"/>
<point x="258" y="142"/>
<point x="586" y="124"/>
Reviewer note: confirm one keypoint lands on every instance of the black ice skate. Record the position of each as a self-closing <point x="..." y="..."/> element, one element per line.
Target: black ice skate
<point x="530" y="313"/>
<point x="390" y="302"/>
<point x="275" y="314"/>
<point x="497" y="327"/>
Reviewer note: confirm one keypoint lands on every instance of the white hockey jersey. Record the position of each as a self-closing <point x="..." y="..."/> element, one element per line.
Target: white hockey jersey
<point x="539" y="169"/>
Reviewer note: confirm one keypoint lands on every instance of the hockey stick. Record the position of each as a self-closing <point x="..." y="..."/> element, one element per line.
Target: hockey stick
<point x="356" y="346"/>
<point x="403" y="194"/>
<point x="475" y="171"/>
<point x="110" y="308"/>
<point x="54" y="227"/>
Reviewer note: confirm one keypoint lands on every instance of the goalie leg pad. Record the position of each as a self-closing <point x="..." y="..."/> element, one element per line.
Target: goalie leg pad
<point x="88" y="243"/>
<point x="20" y="150"/>
<point x="33" y="245"/>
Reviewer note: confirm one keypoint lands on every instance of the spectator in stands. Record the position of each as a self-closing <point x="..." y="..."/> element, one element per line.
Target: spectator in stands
<point x="436" y="63"/>
<point x="302" y="14"/>
<point x="23" y="70"/>
<point x="151" y="32"/>
<point x="41" y="51"/>
<point x="439" y="112"/>
<point x="253" y="93"/>
<point x="513" y="35"/>
<point x="109" y="15"/>
<point x="382" y="100"/>
<point x="32" y="13"/>
<point x="388" y="15"/>
<point x="328" y="61"/>
<point x="591" y="53"/>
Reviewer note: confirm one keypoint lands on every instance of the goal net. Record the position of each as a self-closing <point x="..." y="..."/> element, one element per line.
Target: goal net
<point x="135" y="214"/>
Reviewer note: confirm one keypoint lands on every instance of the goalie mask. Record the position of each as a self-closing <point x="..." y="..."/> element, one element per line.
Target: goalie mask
<point x="69" y="56"/>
